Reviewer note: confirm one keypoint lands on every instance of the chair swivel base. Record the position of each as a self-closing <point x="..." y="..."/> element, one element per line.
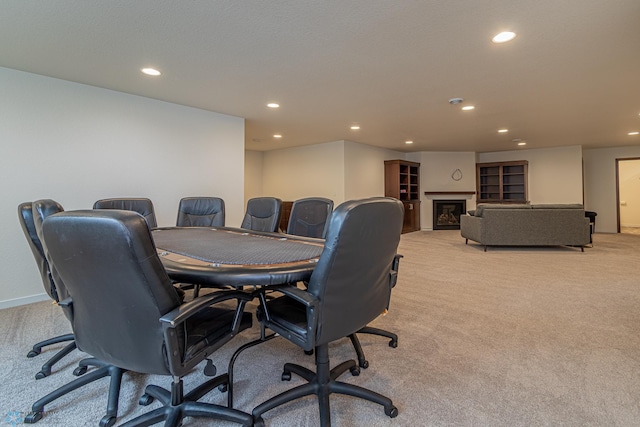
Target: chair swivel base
<point x="362" y="361"/>
<point x="322" y="384"/>
<point x="45" y="371"/>
<point x="175" y="406"/>
<point x="104" y="370"/>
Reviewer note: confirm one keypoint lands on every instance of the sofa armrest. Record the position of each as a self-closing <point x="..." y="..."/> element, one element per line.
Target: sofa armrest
<point x="471" y="227"/>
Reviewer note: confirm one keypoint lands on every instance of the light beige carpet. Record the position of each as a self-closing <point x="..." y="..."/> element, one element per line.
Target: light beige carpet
<point x="507" y="337"/>
<point x="630" y="230"/>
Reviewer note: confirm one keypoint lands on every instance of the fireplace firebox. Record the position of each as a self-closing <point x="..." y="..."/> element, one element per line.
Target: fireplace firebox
<point x="446" y="214"/>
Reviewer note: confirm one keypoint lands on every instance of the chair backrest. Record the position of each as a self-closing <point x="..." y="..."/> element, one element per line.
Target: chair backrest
<point x="263" y="214"/>
<point x="25" y="214"/>
<point x="352" y="280"/>
<point x="141" y="205"/>
<point x="201" y="212"/>
<point x="108" y="262"/>
<point x="309" y="217"/>
<point x="42" y="209"/>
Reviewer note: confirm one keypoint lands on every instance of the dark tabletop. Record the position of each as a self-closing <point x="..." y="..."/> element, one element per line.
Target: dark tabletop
<point x="224" y="256"/>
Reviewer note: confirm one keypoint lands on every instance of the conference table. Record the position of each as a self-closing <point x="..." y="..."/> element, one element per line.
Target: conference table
<point x="225" y="256"/>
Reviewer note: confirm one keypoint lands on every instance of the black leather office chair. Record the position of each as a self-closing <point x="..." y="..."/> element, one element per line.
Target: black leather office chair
<point x="309" y="217"/>
<point x="201" y="212"/>
<point x="26" y="216"/>
<point x="350" y="287"/>
<point x="263" y="214"/>
<point x="141" y="205"/>
<point x="126" y="313"/>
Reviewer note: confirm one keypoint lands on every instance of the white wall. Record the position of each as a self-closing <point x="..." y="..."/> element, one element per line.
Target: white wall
<point x="253" y="161"/>
<point x="364" y="169"/>
<point x="436" y="170"/>
<point x="555" y="174"/>
<point x="308" y="171"/>
<point x="629" y="187"/>
<point x="339" y="170"/>
<point x="75" y="144"/>
<point x="600" y="184"/>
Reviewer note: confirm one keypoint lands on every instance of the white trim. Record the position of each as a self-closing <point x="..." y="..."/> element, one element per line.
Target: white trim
<point x="16" y="302"/>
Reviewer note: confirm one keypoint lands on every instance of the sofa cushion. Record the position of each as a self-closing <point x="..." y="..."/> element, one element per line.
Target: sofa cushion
<point x="482" y="207"/>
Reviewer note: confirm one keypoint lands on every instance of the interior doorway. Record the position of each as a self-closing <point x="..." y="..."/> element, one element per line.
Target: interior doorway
<point x="628" y="195"/>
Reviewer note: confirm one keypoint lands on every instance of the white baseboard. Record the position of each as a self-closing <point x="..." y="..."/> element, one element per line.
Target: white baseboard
<point x="23" y="300"/>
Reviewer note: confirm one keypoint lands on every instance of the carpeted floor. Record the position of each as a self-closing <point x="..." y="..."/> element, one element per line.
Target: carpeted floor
<point x="630" y="230"/>
<point x="507" y="337"/>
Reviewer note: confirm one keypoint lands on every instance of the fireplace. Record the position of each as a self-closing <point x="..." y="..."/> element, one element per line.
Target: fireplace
<point x="446" y="214"/>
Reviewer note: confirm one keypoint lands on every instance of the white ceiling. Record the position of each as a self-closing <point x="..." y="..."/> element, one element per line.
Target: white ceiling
<point x="571" y="77"/>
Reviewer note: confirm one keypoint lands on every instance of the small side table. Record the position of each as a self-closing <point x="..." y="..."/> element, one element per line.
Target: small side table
<point x="592" y="223"/>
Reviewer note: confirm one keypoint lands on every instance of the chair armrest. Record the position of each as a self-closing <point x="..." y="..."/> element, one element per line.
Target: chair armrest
<point x="67" y="307"/>
<point x="67" y="302"/>
<point x="176" y="318"/>
<point x="296" y="293"/>
<point x="395" y="266"/>
<point x="182" y="313"/>
<point x="303" y="297"/>
<point x="293" y="292"/>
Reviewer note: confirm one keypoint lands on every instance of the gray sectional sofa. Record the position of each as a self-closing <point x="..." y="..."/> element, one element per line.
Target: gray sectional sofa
<point x="526" y="225"/>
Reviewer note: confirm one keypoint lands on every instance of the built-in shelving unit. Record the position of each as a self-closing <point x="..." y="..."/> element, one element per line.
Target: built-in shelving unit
<point x="502" y="182"/>
<point x="402" y="181"/>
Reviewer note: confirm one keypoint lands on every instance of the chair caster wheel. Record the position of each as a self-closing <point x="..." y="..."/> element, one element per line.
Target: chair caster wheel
<point x="308" y="352"/>
<point x="33" y="417"/>
<point x="286" y="376"/>
<point x="393" y="344"/>
<point x="223" y="388"/>
<point x="392" y="412"/>
<point x="258" y="422"/>
<point x="80" y="370"/>
<point x="355" y="371"/>
<point x="33" y="353"/>
<point x="145" y="400"/>
<point x="42" y="374"/>
<point x="107" y="421"/>
<point x="364" y="364"/>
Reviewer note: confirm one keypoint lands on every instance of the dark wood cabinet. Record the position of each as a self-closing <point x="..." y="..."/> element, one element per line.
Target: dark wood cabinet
<point x="402" y="181"/>
<point x="502" y="182"/>
<point x="284" y="216"/>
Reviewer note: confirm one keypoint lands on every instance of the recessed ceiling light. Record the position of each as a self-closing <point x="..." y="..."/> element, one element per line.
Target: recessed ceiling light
<point x="503" y="37"/>
<point x="273" y="105"/>
<point x="503" y="130"/>
<point x="408" y="142"/>
<point x="633" y="133"/>
<point x="468" y="107"/>
<point x="522" y="143"/>
<point x="151" y="71"/>
<point x="355" y="127"/>
<point x="277" y="135"/>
